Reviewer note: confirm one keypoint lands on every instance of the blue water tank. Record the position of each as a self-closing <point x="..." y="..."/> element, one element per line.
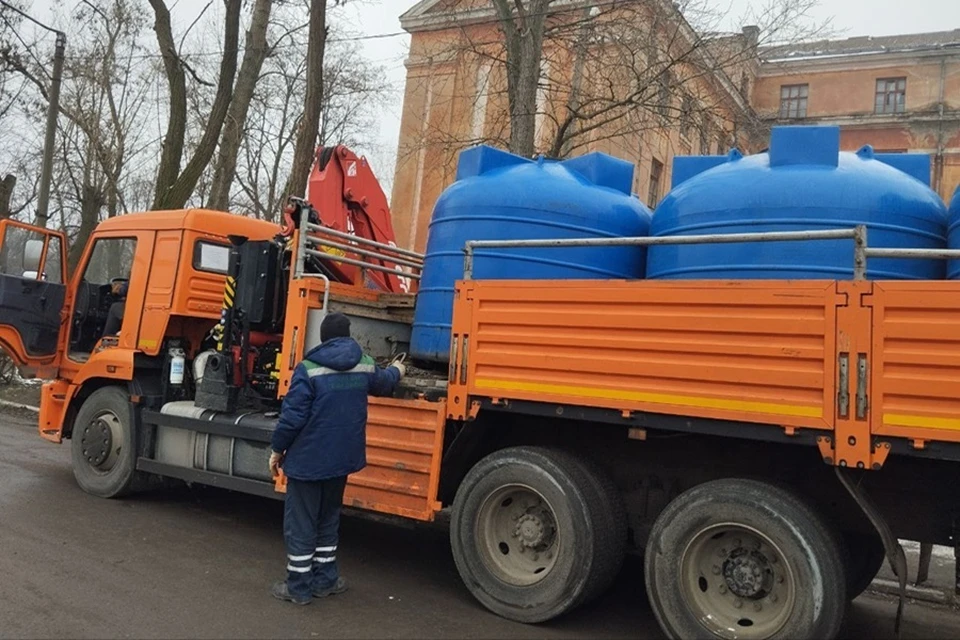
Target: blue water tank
<point x="953" y="237"/>
<point x="501" y="196"/>
<point x="802" y="183"/>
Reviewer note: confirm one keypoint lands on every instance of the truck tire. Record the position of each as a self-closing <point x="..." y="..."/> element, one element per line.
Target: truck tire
<point x="610" y="514"/>
<point x="864" y="554"/>
<point x="744" y="559"/>
<point x="102" y="446"/>
<point x="527" y="536"/>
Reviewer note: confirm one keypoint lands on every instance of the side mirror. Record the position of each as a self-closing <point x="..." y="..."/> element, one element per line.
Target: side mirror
<point x="32" y="254"/>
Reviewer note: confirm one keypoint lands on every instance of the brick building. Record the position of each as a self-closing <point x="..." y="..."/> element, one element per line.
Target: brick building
<point x="899" y="93"/>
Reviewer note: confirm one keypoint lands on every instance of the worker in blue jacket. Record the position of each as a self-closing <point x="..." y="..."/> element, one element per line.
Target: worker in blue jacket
<point x="320" y="439"/>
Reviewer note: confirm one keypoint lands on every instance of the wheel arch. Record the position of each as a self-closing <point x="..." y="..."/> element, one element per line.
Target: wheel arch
<point x="491" y="431"/>
<point x="80" y="395"/>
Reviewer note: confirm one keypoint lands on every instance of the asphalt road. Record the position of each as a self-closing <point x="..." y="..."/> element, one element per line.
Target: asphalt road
<point x="198" y="564"/>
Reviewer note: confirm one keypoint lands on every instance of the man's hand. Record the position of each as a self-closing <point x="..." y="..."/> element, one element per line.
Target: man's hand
<point x="275" y="460"/>
<point x="398" y="364"/>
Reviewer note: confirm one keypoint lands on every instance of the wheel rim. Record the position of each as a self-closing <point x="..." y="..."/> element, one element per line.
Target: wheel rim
<point x="737" y="582"/>
<point x="517" y="535"/>
<point x="101" y="441"/>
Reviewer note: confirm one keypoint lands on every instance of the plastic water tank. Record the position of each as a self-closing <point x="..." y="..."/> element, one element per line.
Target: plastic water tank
<point x="501" y="196"/>
<point x="953" y="238"/>
<point x="802" y="183"/>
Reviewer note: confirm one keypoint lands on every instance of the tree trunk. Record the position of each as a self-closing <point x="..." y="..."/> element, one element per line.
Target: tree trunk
<point x="172" y="147"/>
<point x="91" y="201"/>
<point x="312" y="102"/>
<point x="253" y="57"/>
<point x="523" y="41"/>
<point x="175" y="196"/>
<point x="6" y="192"/>
<point x="561" y="143"/>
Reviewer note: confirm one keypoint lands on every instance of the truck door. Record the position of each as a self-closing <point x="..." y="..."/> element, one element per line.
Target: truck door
<point x="32" y="291"/>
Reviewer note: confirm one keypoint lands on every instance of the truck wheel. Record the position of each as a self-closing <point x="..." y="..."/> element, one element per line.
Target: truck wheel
<point x="610" y="515"/>
<point x="103" y="452"/>
<point x="744" y="559"/>
<point x="865" y="555"/>
<point x="526" y="533"/>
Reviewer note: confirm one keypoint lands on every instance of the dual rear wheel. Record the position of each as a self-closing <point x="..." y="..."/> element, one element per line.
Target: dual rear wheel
<point x="536" y="532"/>
<point x="739" y="558"/>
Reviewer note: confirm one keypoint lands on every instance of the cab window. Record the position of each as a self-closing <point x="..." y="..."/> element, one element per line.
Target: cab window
<point x="51" y="266"/>
<point x="12" y="252"/>
<point x="100" y="302"/>
<point x="111" y="259"/>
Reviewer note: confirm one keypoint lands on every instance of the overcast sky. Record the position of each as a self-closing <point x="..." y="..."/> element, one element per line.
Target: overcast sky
<point x="848" y="18"/>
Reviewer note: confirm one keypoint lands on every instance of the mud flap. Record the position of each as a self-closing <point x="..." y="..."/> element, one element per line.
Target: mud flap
<point x="895" y="554"/>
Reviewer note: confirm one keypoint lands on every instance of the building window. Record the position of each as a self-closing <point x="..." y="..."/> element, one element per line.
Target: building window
<point x="686" y="117"/>
<point x="704" y="139"/>
<point x="793" y="100"/>
<point x="891" y="95"/>
<point x="663" y="97"/>
<point x="656" y="173"/>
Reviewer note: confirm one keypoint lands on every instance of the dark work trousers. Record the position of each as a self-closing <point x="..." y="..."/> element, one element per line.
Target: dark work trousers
<point x="114" y="319"/>
<point x="311" y="529"/>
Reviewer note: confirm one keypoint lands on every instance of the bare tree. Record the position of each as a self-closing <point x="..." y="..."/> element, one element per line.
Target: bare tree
<point x="309" y="125"/>
<point x="578" y="72"/>
<point x="6" y="193"/>
<point x="523" y="28"/>
<point x="265" y="154"/>
<point x="354" y="95"/>
<point x="352" y="100"/>
<point x="13" y="95"/>
<point x="212" y="130"/>
<point x="102" y="101"/>
<point x="175" y="186"/>
<point x="254" y="54"/>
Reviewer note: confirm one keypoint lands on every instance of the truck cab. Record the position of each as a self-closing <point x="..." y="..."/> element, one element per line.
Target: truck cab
<point x="165" y="270"/>
<point x="179" y="324"/>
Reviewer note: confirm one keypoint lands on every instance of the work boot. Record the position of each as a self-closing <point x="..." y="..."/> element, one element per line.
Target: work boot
<point x="338" y="587"/>
<point x="280" y="591"/>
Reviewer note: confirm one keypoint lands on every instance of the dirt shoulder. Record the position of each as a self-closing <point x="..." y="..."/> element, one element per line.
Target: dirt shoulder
<point x="21" y="392"/>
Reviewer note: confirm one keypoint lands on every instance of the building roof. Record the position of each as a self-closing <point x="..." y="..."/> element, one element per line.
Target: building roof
<point x="864" y="45"/>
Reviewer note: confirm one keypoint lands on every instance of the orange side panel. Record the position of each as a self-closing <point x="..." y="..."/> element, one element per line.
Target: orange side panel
<point x="404" y="444"/>
<point x="916" y="360"/>
<point x="54" y="397"/>
<point x="136" y="295"/>
<point x="159" y="296"/>
<point x="759" y="351"/>
<point x="404" y="447"/>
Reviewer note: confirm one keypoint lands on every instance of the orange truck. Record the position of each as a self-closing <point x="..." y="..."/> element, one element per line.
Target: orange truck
<point x="763" y="443"/>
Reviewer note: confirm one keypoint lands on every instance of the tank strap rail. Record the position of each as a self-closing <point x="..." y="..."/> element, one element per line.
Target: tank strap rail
<point x="314" y="238"/>
<point x="861" y="252"/>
